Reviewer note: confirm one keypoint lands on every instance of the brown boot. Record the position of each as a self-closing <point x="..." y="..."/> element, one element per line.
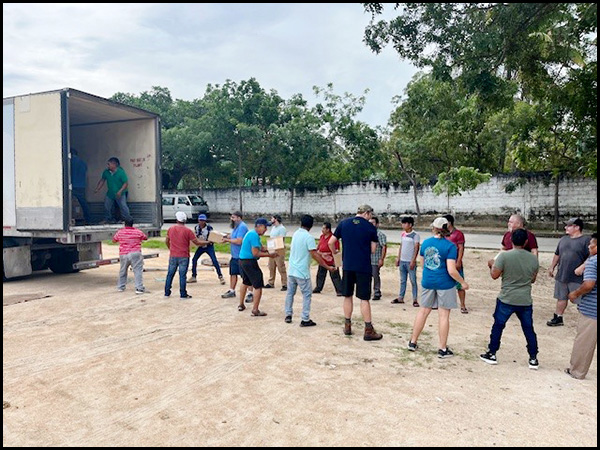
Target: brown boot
<point x="347" y="329"/>
<point x="372" y="335"/>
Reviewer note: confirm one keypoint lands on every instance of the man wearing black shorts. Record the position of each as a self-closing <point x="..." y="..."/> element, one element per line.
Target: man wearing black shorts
<point x="359" y="241"/>
<point x="251" y="250"/>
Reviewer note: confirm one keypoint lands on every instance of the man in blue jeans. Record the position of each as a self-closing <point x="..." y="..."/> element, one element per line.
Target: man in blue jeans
<point x="302" y="249"/>
<point x="518" y="269"/>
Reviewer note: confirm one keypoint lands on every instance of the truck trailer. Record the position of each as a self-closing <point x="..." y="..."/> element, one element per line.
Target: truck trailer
<point x="43" y="227"/>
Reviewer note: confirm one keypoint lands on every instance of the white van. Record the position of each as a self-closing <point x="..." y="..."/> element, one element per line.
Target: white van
<point x="190" y="204"/>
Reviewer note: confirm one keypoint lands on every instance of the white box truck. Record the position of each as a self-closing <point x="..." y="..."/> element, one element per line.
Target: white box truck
<point x="41" y="226"/>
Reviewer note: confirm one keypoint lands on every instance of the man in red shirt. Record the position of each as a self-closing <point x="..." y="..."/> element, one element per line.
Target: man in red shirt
<point x="458" y="238"/>
<point x="178" y="242"/>
<point x="130" y="253"/>
<point x="514" y="223"/>
<point x="324" y="250"/>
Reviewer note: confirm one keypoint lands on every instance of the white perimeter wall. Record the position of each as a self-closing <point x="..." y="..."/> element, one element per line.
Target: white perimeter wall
<point x="534" y="199"/>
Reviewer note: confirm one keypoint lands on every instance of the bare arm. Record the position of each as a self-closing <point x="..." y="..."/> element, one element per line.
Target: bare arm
<point x="257" y="252"/>
<point x="461" y="252"/>
<point x="586" y="287"/>
<point x="451" y="267"/>
<point x="331" y="244"/>
<point x="168" y="242"/>
<point x="553" y="265"/>
<point x="399" y="254"/>
<point x="413" y="262"/>
<point x="534" y="251"/>
<point x="100" y="185"/>
<point x="580" y="269"/>
<point x="318" y="258"/>
<point x="120" y="191"/>
<point x="383" y="253"/>
<point x="373" y="247"/>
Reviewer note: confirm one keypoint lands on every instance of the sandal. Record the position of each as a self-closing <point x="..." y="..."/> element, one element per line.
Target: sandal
<point x="258" y="313"/>
<point x="416" y="304"/>
<point x="464" y="310"/>
<point x="398" y="300"/>
<point x="241" y="307"/>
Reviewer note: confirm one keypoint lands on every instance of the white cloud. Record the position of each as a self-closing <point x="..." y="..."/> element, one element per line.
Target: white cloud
<point x="108" y="48"/>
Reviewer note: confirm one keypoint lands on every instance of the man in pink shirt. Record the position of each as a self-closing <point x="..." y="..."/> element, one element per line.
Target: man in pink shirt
<point x="130" y="253"/>
<point x="178" y="242"/>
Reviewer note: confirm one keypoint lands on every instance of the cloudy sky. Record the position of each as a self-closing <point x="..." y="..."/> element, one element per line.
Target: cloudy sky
<point x="107" y="48"/>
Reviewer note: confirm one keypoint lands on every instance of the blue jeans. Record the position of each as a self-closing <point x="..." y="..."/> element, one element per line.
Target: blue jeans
<point x="210" y="250"/>
<point x="525" y="316"/>
<point x="121" y="203"/>
<point x="174" y="264"/>
<point x="404" y="272"/>
<point x="306" y="289"/>
<point x="79" y="194"/>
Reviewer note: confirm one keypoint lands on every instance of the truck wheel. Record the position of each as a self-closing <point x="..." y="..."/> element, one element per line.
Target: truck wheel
<point x="62" y="261"/>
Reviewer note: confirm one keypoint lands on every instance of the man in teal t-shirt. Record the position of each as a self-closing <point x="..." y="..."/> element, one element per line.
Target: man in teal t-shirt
<point x="302" y="248"/>
<point x="518" y="269"/>
<point x="115" y="179"/>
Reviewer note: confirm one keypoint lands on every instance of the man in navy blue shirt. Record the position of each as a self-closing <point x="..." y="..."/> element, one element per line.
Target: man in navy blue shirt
<point x="78" y="183"/>
<point x="359" y="241"/>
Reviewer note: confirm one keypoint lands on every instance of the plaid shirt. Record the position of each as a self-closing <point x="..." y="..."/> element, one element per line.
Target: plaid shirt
<point x="375" y="257"/>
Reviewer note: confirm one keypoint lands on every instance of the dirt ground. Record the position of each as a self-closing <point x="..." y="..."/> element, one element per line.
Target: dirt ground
<point x="85" y="365"/>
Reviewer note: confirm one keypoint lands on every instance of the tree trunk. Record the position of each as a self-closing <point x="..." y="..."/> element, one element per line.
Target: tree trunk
<point x="291" y="204"/>
<point x="412" y="182"/>
<point x="556" y="202"/>
<point x="502" y="157"/>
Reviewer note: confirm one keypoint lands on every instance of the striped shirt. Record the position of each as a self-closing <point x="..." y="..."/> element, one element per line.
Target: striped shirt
<point x="381" y="242"/>
<point x="588" y="305"/>
<point x="129" y="239"/>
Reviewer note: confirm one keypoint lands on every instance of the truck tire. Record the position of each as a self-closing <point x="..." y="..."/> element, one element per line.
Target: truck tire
<point x="62" y="261"/>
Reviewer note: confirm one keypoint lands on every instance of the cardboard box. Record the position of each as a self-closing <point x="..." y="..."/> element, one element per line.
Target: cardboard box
<point x="216" y="236"/>
<point x="276" y="243"/>
<point x="337" y="259"/>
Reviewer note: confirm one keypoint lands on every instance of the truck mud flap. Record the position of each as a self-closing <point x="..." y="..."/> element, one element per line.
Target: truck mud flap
<point x="103" y="262"/>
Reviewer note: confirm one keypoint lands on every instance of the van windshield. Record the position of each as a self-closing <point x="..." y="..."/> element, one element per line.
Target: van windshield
<point x="197" y="200"/>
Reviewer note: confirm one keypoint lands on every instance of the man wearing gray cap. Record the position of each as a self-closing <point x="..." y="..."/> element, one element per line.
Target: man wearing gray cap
<point x="571" y="251"/>
<point x="359" y="241"/>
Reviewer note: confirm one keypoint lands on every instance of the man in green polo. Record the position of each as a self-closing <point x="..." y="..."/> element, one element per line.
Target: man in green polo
<point x="115" y="179"/>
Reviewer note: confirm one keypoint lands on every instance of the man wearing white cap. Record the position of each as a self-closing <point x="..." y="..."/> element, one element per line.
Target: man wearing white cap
<point x="438" y="257"/>
<point x="202" y="231"/>
<point x="178" y="242"/>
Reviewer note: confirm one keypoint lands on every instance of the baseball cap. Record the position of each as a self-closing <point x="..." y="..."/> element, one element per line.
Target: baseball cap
<point x="575" y="221"/>
<point x="439" y="222"/>
<point x="364" y="209"/>
<point x="202" y="217"/>
<point x="180" y="216"/>
<point x="262" y="221"/>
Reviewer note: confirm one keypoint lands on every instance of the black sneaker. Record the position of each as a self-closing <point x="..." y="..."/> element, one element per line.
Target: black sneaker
<point x="288" y="319"/>
<point x="316" y="291"/>
<point x="534" y="363"/>
<point x="186" y="296"/>
<point x="412" y="346"/>
<point x="377" y="297"/>
<point x="269" y="286"/>
<point x="228" y="294"/>
<point x="489" y="358"/>
<point x="556" y="321"/>
<point x="307" y="323"/>
<point x="284" y="288"/>
<point x="447" y="353"/>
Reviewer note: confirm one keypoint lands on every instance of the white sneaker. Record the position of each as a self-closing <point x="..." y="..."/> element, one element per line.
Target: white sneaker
<point x="191" y="280"/>
<point x="222" y="280"/>
<point x="141" y="291"/>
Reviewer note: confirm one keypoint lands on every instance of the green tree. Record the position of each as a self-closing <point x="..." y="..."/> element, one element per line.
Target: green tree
<point x="457" y="180"/>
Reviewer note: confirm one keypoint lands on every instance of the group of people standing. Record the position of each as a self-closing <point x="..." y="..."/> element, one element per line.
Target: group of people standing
<point x="363" y="253"/>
